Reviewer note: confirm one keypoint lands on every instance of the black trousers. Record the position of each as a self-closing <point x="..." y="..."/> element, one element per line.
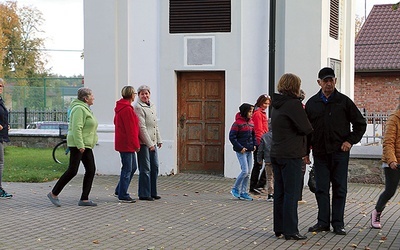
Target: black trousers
<point x="331" y="169"/>
<point x="75" y="158"/>
<point x="287" y="176"/>
<point x="392" y="178"/>
<point x="257" y="181"/>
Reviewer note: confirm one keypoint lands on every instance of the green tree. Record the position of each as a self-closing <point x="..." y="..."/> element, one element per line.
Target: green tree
<point x="395" y="6"/>
<point x="9" y="29"/>
<point x="20" y="41"/>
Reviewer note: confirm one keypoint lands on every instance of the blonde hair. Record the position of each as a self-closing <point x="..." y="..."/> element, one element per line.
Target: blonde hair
<point x="289" y="84"/>
<point x="127" y="92"/>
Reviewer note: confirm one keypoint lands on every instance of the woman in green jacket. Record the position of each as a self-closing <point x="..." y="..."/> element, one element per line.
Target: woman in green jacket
<point x="81" y="139"/>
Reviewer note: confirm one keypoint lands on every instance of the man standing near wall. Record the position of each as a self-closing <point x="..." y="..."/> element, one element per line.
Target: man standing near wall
<point x="4" y="127"/>
<point x="337" y="124"/>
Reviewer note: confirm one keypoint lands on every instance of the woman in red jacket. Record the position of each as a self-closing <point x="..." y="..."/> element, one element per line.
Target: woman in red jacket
<point x="260" y="120"/>
<point x="126" y="141"/>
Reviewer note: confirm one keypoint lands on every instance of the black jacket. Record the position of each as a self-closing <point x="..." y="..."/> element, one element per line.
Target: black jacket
<point x="331" y="122"/>
<point x="291" y="126"/>
<point x="3" y="122"/>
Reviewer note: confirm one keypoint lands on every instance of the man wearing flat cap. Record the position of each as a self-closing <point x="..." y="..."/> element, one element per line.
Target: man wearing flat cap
<point x="337" y="124"/>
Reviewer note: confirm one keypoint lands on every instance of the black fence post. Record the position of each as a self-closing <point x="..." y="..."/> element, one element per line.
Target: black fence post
<point x="25" y="117"/>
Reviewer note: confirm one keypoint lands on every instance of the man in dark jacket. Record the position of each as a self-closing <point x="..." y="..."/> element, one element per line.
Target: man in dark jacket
<point x="337" y="124"/>
<point x="4" y="127"/>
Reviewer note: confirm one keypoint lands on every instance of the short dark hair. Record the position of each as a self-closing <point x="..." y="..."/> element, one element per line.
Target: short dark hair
<point x="244" y="109"/>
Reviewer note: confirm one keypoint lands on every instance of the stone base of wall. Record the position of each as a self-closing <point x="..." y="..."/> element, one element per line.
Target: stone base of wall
<point x="363" y="170"/>
<point x="34" y="142"/>
<point x="367" y="171"/>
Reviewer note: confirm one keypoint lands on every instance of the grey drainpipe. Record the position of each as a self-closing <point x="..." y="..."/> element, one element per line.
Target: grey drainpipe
<point x="271" y="72"/>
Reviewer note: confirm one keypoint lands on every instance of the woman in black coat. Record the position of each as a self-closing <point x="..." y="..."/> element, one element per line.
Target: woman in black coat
<point x="289" y="142"/>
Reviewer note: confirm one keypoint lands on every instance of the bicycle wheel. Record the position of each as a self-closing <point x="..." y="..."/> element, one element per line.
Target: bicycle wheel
<point x="61" y="153"/>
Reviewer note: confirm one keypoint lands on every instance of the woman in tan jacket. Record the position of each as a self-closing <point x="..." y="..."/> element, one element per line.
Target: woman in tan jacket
<point x="150" y="141"/>
<point x="391" y="161"/>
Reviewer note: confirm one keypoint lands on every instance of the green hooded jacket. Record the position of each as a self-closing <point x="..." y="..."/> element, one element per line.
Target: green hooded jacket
<point x="82" y="128"/>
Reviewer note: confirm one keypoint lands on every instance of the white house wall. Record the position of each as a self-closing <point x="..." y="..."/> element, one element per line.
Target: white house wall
<point x="348" y="49"/>
<point x="242" y="54"/>
<point x="128" y="42"/>
<point x="299" y="44"/>
<point x="102" y="73"/>
<point x="304" y="46"/>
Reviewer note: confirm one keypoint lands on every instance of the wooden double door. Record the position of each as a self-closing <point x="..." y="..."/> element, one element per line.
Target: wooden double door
<point x="201" y="122"/>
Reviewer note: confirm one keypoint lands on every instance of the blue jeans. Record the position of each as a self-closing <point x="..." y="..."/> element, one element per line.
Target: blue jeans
<point x="287" y="177"/>
<point x="331" y="168"/>
<point x="148" y="171"/>
<point x="128" y="169"/>
<point x="245" y="161"/>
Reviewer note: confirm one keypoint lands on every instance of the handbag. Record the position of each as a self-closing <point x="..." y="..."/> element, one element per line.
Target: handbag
<point x="311" y="180"/>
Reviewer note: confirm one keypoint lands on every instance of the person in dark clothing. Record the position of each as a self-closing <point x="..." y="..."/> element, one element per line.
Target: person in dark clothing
<point x="258" y="177"/>
<point x="4" y="127"/>
<point x="263" y="154"/>
<point x="243" y="139"/>
<point x="289" y="142"/>
<point x="303" y="164"/>
<point x="338" y="124"/>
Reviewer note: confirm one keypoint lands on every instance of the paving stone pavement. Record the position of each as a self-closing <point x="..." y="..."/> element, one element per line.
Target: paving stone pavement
<point x="195" y="212"/>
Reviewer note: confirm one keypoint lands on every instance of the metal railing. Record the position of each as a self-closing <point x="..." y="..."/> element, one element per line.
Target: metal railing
<point x="19" y="119"/>
<point x="40" y="93"/>
<point x="376" y="125"/>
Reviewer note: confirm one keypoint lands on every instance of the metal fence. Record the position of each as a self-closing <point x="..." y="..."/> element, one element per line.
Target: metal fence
<point x="39" y="99"/>
<point x="40" y="93"/>
<point x="375" y="129"/>
<point x="20" y="119"/>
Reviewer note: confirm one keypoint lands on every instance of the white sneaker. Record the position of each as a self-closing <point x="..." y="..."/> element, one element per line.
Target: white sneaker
<point x="270" y="198"/>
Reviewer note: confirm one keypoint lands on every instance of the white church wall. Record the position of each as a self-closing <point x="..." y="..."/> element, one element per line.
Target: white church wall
<point x="128" y="42"/>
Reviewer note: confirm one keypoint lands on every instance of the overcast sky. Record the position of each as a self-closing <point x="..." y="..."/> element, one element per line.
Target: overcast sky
<point x="64" y="31"/>
<point x="362" y="5"/>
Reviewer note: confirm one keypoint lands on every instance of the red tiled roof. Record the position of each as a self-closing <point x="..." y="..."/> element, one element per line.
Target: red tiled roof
<point x="377" y="46"/>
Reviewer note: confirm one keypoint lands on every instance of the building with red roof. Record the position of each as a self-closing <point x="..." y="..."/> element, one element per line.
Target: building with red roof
<point x="377" y="61"/>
